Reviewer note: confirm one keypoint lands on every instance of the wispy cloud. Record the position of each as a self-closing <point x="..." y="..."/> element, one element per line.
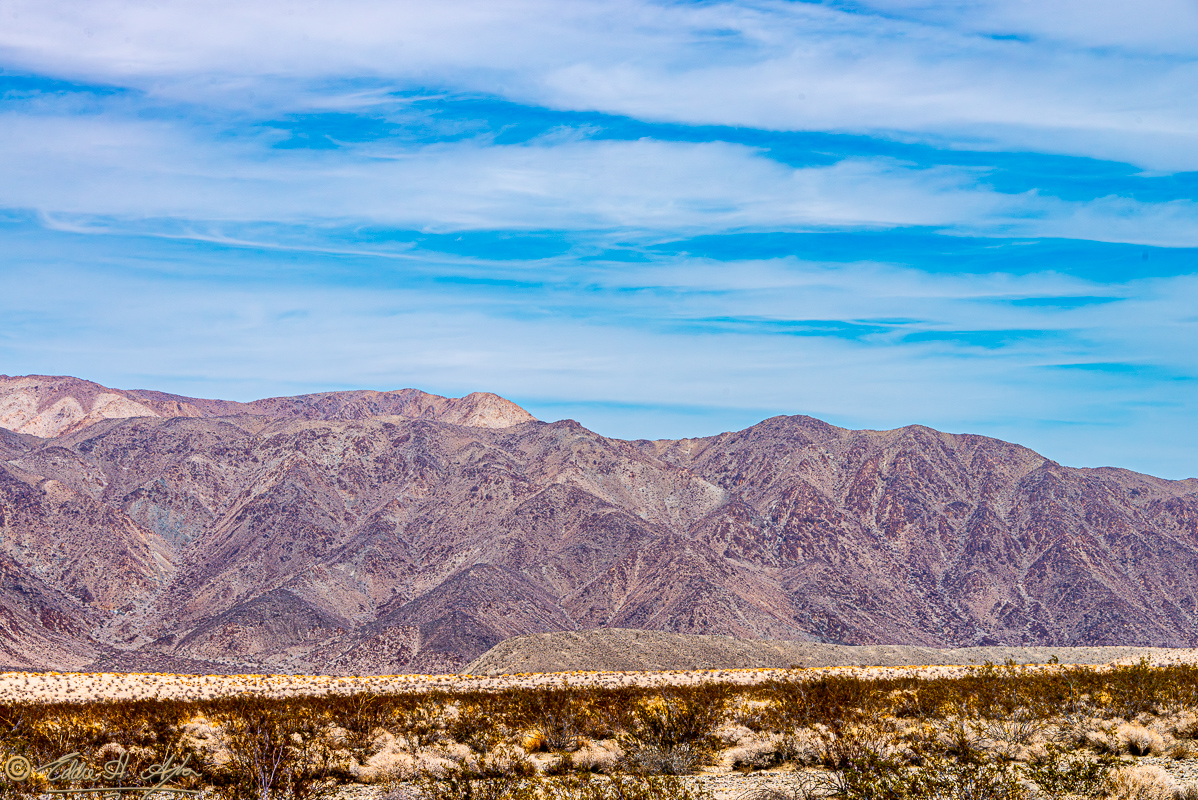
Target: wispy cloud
<point x="675" y="346"/>
<point x="133" y="169"/>
<point x="1107" y="80"/>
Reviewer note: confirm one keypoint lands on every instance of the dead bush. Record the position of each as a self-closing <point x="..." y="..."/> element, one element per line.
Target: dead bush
<point x="806" y="746"/>
<point x="753" y="753"/>
<point x="600" y="755"/>
<point x="860" y="743"/>
<point x="1137" y="740"/>
<point x="650" y="759"/>
<point x="1140" y="782"/>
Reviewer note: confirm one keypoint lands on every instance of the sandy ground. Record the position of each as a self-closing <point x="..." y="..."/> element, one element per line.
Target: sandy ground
<point x="87" y="687"/>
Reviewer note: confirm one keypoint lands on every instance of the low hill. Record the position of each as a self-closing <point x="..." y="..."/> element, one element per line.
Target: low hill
<point x="629" y="650"/>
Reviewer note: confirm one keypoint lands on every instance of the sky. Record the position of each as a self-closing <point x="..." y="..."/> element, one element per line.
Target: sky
<point x="661" y="219"/>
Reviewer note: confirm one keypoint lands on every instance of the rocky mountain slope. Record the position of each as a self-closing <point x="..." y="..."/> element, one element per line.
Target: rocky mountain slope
<point x="371" y="532"/>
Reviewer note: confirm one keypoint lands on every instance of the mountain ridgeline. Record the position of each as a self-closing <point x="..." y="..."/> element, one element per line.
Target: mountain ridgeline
<point x="386" y="532"/>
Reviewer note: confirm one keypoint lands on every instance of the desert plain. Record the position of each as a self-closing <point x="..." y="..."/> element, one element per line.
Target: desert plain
<point x="642" y="651"/>
<point x="1106" y="723"/>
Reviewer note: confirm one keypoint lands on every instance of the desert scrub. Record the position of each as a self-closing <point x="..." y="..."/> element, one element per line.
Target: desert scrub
<point x="673" y="733"/>
<point x="147" y="731"/>
<point x="754" y="752"/>
<point x="362" y="713"/>
<point x="424" y="723"/>
<point x="554" y="720"/>
<point x="980" y="720"/>
<point x="751" y="712"/>
<point x="598" y="755"/>
<point x="274" y="751"/>
<point x="1061" y="773"/>
<point x="874" y="777"/>
<point x="830" y="700"/>
<point x="479" y="720"/>
<point x="467" y="786"/>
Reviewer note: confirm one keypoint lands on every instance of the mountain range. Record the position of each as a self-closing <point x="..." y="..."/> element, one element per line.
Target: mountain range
<point x="383" y="532"/>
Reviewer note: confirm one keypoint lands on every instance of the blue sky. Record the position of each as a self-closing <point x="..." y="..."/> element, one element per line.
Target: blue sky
<point x="662" y="219"/>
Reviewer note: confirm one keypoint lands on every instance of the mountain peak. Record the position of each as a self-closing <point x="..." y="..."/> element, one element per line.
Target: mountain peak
<point x="49" y="406"/>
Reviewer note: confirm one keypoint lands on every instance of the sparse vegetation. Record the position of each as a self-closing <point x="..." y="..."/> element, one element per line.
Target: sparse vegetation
<point x="995" y="732"/>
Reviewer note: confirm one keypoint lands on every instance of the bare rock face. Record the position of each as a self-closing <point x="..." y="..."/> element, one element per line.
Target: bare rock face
<point x="51" y="406"/>
<point x="384" y="532"/>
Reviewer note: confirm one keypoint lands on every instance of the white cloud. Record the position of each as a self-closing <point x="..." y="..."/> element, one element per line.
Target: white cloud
<point x="1098" y="79"/>
<point x="1160" y="27"/>
<point x="105" y="167"/>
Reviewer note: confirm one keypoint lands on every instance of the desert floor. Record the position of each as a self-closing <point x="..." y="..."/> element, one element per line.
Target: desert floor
<point x="83" y="687"/>
<point x="719" y="782"/>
